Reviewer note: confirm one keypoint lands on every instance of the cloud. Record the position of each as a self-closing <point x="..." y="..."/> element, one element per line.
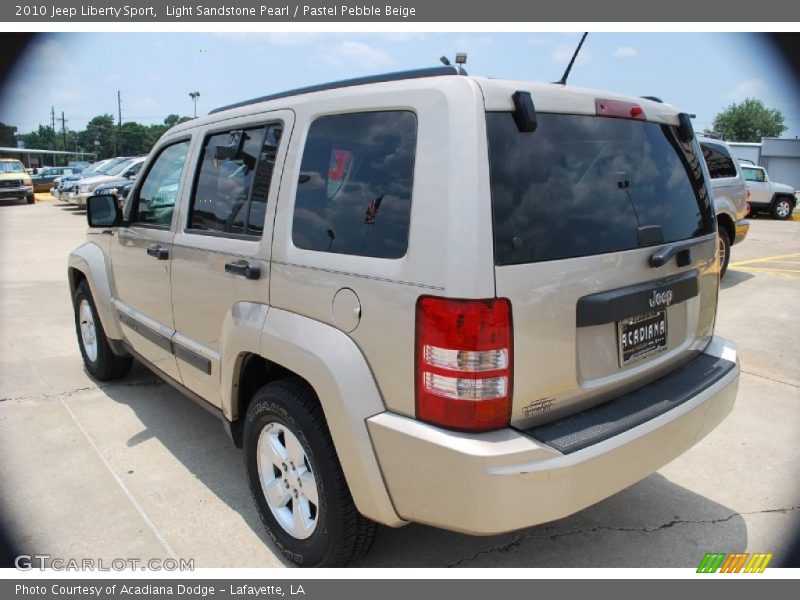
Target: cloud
<point x="626" y="52"/>
<point x="354" y="53"/>
<point x="747" y="89"/>
<point x="563" y="53"/>
<point x="48" y="55"/>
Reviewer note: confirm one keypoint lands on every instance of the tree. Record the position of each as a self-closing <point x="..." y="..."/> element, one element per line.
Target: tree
<point x="41" y="139"/>
<point x="174" y="119"/>
<point x="749" y="121"/>
<point x="101" y="129"/>
<point x="8" y="136"/>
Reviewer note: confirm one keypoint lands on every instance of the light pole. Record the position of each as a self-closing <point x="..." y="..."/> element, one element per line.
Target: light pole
<point x="194" y="96"/>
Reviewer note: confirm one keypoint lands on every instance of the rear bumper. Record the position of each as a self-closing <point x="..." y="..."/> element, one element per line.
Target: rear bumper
<point x="505" y="480"/>
<point x="742" y="227"/>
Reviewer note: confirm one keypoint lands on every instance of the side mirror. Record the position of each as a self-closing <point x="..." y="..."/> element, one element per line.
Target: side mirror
<point x="103" y="211"/>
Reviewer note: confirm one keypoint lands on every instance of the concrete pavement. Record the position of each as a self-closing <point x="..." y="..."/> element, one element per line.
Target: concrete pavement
<point x="135" y="470"/>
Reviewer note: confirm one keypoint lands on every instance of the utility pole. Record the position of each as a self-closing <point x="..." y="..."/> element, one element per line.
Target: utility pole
<point x="119" y="124"/>
<point x="64" y="130"/>
<point x="53" y="123"/>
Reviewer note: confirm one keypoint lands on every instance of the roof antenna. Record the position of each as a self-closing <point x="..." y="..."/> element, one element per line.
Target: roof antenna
<point x="445" y="61"/>
<point x="563" y="80"/>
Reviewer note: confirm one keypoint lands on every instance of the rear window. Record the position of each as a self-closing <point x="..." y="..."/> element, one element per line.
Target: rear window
<point x="719" y="161"/>
<point x="582" y="185"/>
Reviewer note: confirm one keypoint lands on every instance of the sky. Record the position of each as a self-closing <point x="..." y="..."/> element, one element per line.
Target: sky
<point x="80" y="73"/>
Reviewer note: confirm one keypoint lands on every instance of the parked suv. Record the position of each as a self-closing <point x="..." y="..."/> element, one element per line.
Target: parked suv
<point x="15" y="182"/>
<point x="421" y="297"/>
<point x="730" y="196"/>
<point x="777" y="199"/>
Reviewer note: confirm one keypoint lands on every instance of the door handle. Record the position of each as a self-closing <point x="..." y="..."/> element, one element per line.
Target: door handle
<point x="243" y="269"/>
<point x="159" y="252"/>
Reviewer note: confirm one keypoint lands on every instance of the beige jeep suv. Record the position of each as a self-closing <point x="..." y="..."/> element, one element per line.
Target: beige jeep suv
<point x="421" y="297"/>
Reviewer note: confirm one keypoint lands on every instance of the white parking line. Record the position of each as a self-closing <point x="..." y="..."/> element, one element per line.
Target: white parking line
<point x="116" y="477"/>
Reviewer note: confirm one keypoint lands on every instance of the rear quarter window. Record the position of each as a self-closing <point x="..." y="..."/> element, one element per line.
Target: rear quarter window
<point x="354" y="187"/>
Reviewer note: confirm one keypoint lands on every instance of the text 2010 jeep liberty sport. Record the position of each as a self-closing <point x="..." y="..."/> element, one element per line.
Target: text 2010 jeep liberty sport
<point x="421" y="297"/>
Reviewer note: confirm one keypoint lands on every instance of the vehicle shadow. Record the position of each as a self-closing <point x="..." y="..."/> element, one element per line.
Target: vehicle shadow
<point x="654" y="523"/>
<point x="12" y="202"/>
<point x="734" y="277"/>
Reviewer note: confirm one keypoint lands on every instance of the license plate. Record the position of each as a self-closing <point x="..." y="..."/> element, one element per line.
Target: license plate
<point x="642" y="336"/>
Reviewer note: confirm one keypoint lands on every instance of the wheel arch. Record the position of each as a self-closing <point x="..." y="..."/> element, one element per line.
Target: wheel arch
<point x="88" y="262"/>
<point x="330" y="362"/>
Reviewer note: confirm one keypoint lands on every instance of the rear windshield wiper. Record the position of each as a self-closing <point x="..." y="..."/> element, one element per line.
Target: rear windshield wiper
<point x="660" y="257"/>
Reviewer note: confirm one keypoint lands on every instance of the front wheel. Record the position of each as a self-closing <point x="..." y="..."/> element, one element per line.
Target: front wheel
<point x="296" y="479"/>
<point x="100" y="360"/>
<point x="782" y="208"/>
<point x="30" y="199"/>
<point x="724" y="251"/>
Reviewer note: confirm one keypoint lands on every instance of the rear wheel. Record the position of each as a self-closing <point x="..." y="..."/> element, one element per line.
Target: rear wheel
<point x="296" y="479"/>
<point x="724" y="251"/>
<point x="782" y="207"/>
<point x="100" y="360"/>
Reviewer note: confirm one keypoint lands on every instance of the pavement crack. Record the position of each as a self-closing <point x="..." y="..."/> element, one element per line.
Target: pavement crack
<point x="520" y="539"/>
<point x="794" y="385"/>
<point x="144" y="383"/>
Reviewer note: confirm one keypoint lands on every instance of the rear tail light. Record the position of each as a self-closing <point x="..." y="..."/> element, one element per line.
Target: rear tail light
<point x="619" y="109"/>
<point x="747" y="196"/>
<point x="464" y="363"/>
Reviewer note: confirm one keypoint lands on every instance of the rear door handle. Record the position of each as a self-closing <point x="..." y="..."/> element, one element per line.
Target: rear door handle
<point x="159" y="252"/>
<point x="243" y="269"/>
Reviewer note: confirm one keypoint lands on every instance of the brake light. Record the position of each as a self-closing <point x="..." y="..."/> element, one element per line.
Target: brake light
<point x="464" y="363"/>
<point x="618" y="109"/>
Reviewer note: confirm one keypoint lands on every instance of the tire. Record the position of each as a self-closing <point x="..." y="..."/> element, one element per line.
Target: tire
<point x="724" y="251"/>
<point x="30" y="199"/>
<point x="782" y="208"/>
<point x="285" y="424"/>
<point x="100" y="360"/>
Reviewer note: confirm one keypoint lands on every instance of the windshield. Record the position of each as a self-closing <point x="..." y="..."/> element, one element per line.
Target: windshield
<point x="107" y="168"/>
<point x="11" y="167"/>
<point x="120" y="168"/>
<point x="583" y="185"/>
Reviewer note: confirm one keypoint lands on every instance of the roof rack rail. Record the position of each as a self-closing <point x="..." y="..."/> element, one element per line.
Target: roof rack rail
<point x="396" y="76"/>
<point x="654" y="99"/>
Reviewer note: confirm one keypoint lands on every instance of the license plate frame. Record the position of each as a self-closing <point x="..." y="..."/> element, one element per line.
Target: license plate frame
<point x="641" y="336"/>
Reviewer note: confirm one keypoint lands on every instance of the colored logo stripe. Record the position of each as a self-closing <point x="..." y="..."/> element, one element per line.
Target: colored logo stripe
<point x="734" y="563"/>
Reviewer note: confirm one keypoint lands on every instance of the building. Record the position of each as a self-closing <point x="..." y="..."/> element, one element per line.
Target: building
<point x="779" y="156"/>
<point x="33" y="159"/>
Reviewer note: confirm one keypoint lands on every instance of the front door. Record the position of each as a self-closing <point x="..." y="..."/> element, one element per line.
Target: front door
<point x="142" y="258"/>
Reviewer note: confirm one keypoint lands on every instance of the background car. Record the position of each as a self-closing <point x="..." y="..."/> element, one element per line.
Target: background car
<point x="43" y="180"/>
<point x="730" y="196"/>
<point x="67" y="182"/>
<point x="15" y="181"/>
<point x="127" y="169"/>
<point x="777" y="199"/>
<point x="119" y="188"/>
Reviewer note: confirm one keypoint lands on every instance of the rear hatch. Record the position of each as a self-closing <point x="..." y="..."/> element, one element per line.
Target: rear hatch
<point x="580" y="207"/>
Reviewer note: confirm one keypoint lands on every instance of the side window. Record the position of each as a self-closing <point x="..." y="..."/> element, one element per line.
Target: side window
<point x="354" y="189"/>
<point x="232" y="187"/>
<point x="156" y="199"/>
<point x="720" y="164"/>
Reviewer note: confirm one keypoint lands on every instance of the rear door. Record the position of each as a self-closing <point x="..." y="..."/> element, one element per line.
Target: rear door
<point x="580" y="208"/>
<point x="221" y="254"/>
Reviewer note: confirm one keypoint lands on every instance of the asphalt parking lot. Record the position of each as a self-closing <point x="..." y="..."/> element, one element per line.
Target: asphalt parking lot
<point x="135" y="470"/>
